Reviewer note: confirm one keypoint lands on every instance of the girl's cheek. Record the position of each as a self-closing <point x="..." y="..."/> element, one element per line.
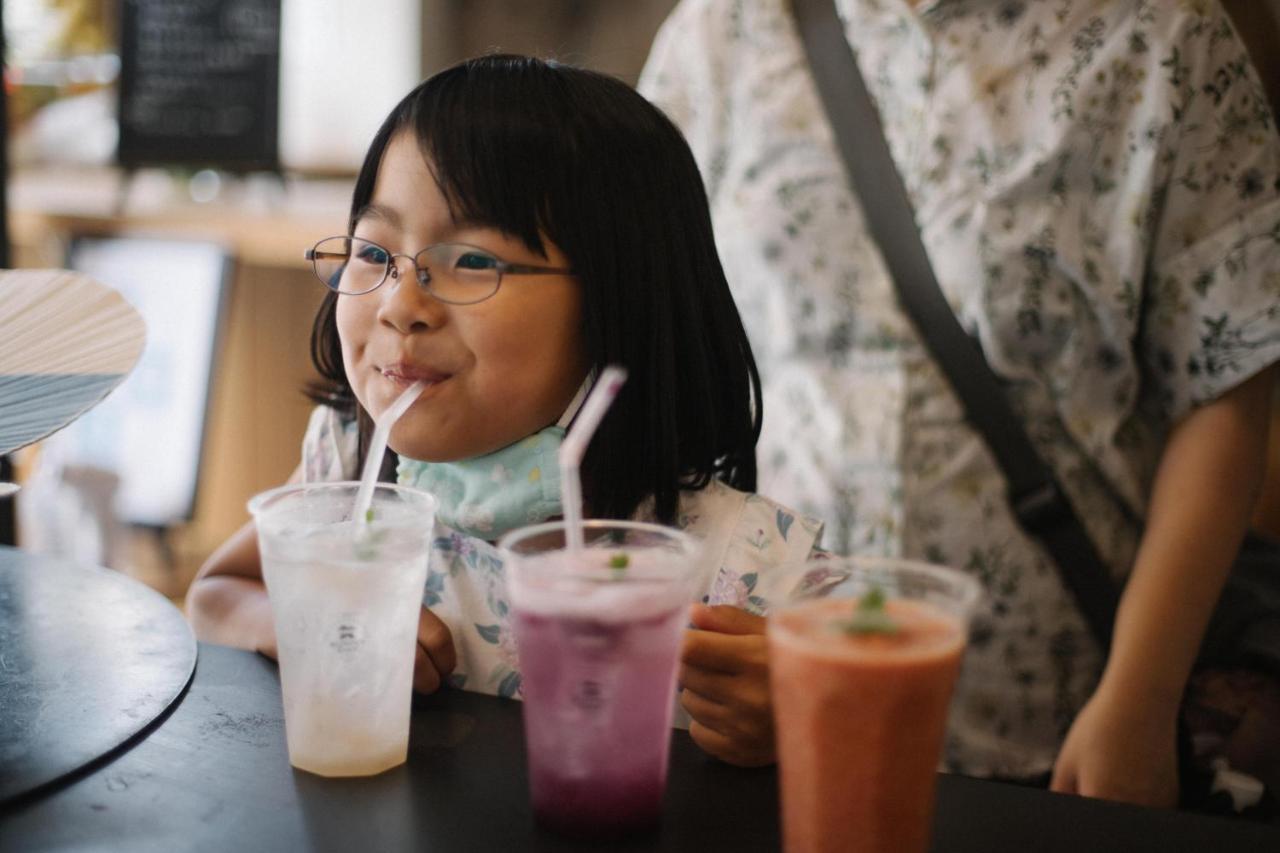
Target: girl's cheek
<point x="353" y="327"/>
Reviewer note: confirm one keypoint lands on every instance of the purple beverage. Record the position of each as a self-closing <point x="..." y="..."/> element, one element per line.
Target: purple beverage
<point x="599" y="636"/>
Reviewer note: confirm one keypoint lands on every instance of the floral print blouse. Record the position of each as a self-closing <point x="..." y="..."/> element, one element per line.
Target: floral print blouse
<point x="1098" y="186"/>
<point x="743" y="536"/>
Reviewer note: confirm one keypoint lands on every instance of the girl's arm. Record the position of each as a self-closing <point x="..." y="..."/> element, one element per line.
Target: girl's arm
<point x="227" y="602"/>
<point x="1122" y="745"/>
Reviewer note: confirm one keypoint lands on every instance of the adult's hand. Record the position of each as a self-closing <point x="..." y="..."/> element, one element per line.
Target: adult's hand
<point x="1119" y="750"/>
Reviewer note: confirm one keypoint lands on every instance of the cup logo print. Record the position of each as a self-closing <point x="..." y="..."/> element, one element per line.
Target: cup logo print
<point x="589" y="695"/>
<point x="349" y="635"/>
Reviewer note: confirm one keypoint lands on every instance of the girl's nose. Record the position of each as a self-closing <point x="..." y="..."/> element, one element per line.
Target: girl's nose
<point x="406" y="306"/>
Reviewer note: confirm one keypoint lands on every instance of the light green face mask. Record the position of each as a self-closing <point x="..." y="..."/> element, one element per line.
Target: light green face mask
<point x="487" y="496"/>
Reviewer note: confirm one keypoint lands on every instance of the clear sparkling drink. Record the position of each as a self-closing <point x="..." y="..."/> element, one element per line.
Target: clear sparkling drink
<point x="345" y="600"/>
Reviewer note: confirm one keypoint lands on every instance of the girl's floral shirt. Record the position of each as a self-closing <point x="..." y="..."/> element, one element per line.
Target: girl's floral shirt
<point x="742" y="535"/>
<point x="1098" y="186"/>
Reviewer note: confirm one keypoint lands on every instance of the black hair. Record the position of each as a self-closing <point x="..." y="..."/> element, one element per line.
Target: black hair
<point x="534" y="148"/>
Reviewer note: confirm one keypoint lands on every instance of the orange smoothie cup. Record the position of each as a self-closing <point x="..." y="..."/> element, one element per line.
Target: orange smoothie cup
<point x="863" y="657"/>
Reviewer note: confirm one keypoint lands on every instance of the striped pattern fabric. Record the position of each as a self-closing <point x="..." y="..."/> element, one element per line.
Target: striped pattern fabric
<point x="65" y="342"/>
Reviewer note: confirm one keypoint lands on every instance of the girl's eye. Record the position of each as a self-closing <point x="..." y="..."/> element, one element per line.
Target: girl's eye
<point x="371" y="254"/>
<point x="476" y="261"/>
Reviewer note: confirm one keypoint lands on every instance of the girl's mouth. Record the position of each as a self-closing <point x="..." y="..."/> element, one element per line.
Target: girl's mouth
<point x="403" y="374"/>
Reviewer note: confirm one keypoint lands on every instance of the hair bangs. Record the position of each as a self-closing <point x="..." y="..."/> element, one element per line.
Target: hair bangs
<point x="489" y="145"/>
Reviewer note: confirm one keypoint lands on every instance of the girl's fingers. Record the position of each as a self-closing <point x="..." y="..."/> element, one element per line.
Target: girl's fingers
<point x="426" y="679"/>
<point x="748" y="709"/>
<point x="728" y="653"/>
<point x="712" y="742"/>
<point x="434" y="656"/>
<point x="435" y="639"/>
<point x="725" y="619"/>
<point x="730" y="750"/>
<point x="744" y="695"/>
<point x="717" y="687"/>
<point x="707" y="712"/>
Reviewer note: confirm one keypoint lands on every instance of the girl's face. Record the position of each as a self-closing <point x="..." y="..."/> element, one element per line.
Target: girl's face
<point x="498" y="370"/>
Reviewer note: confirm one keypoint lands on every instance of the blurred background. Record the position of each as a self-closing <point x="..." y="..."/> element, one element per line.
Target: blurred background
<point x="187" y="152"/>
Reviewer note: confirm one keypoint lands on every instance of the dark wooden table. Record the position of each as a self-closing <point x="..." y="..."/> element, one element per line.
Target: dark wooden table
<point x="215" y="775"/>
<point x="88" y="659"/>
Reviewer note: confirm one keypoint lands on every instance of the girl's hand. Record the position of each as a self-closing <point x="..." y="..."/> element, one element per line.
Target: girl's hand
<point x="1120" y="751"/>
<point x="434" y="657"/>
<point x="268" y="648"/>
<point x="724" y="673"/>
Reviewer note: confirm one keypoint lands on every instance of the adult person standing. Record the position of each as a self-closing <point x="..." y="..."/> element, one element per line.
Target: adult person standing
<point x="1097" y="183"/>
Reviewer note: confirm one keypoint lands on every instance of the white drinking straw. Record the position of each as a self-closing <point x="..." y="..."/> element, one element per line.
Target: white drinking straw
<point x="575" y="445"/>
<point x="377" y="446"/>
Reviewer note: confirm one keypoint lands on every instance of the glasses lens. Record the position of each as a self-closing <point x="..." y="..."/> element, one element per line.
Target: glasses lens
<point x="349" y="264"/>
<point x="459" y="274"/>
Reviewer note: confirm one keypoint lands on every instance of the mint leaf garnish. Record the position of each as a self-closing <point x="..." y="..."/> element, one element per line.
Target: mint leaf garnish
<point x="367" y="544"/>
<point x="870" y="616"/>
<point x="618" y="565"/>
<point x="874" y="599"/>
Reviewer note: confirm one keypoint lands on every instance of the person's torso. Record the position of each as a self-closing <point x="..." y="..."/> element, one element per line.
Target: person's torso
<point x="861" y="429"/>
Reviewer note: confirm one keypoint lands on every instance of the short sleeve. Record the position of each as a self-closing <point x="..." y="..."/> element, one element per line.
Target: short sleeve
<point x="817" y="552"/>
<point x="765" y="537"/>
<point x="329" y="447"/>
<point x="1211" y="314"/>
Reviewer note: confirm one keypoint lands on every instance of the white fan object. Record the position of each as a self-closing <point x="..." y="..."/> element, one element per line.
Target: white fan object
<point x="65" y="342"/>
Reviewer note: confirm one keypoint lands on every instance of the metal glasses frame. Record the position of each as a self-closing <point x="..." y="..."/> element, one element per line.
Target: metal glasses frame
<point x="421" y="274"/>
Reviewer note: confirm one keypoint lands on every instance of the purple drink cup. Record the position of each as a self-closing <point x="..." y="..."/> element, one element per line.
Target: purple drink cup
<point x="599" y="646"/>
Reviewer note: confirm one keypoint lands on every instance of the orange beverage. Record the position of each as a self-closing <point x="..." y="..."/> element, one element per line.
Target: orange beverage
<point x="861" y="714"/>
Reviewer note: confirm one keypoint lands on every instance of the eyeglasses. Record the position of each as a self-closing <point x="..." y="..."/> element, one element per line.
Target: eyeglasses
<point x="451" y="272"/>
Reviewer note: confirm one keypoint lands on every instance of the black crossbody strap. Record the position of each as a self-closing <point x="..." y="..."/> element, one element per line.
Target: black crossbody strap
<point x="1037" y="500"/>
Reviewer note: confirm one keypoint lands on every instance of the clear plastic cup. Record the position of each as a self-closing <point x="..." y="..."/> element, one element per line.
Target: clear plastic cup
<point x="598" y="633"/>
<point x="860" y="713"/>
<point x="345" y="599"/>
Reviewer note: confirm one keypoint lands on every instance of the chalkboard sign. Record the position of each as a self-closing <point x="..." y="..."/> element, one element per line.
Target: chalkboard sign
<point x="199" y="83"/>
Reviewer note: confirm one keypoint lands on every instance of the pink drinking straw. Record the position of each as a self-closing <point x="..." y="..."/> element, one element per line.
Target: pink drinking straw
<point x="575" y="444"/>
<point x="377" y="446"/>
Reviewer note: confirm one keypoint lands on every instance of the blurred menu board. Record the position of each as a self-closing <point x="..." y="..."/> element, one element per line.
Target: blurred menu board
<point x="199" y="83"/>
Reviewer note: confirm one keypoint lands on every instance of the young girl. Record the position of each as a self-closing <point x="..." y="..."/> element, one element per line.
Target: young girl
<point x="516" y="225"/>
